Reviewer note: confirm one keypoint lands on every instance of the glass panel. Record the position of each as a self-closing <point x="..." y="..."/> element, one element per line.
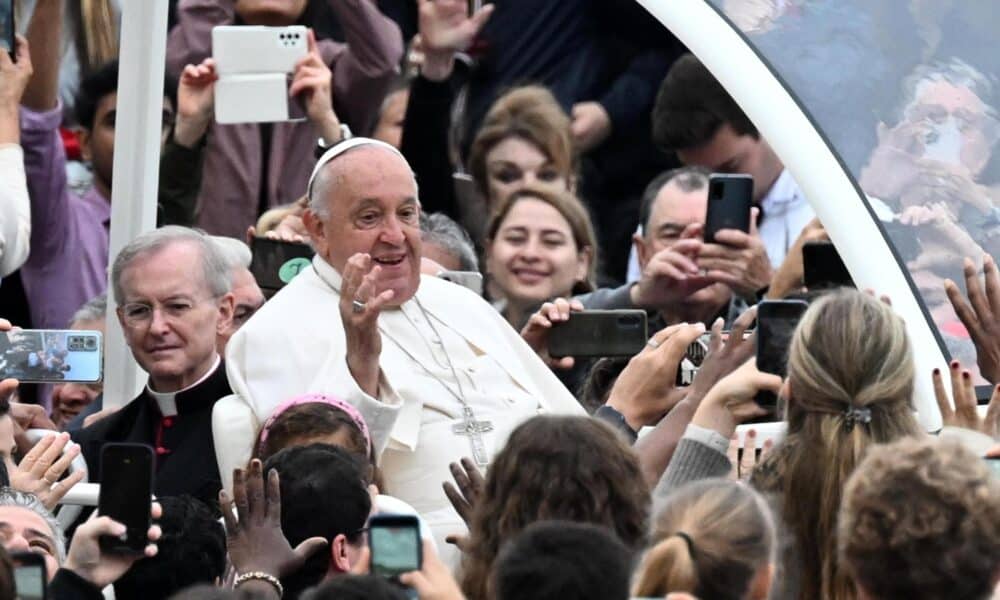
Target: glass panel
<point x="905" y="93"/>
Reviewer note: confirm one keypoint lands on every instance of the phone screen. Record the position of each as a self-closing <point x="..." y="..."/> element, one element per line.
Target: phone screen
<point x="126" y="494"/>
<point x="823" y="268"/>
<point x="276" y="263"/>
<point x="994" y="465"/>
<point x="776" y="322"/>
<point x="30" y="582"/>
<point x="7" y="26"/>
<point x="46" y="355"/>
<point x="396" y="549"/>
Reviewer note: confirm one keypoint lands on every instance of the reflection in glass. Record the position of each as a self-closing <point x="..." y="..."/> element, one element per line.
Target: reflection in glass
<point x="905" y="94"/>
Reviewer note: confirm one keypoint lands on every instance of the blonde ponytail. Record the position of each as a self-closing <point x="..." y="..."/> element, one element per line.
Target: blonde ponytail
<point x="667" y="567"/>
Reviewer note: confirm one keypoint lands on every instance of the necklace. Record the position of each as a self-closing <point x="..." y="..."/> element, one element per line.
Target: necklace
<point x="469" y="426"/>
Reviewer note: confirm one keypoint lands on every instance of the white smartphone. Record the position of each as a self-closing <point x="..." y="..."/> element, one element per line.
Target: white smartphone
<point x="255" y="66"/>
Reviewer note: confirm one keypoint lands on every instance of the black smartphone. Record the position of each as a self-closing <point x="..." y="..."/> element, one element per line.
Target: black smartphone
<point x="51" y="355"/>
<point x="822" y="267"/>
<point x="776" y="322"/>
<point x="395" y="544"/>
<point x="126" y="495"/>
<point x="599" y="333"/>
<point x="730" y="198"/>
<point x="7" y="29"/>
<point x="31" y="579"/>
<point x="275" y="263"/>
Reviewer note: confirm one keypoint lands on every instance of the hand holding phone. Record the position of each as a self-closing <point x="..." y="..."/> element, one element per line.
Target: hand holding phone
<point x="126" y="495"/>
<point x="395" y="545"/>
<point x="275" y="263"/>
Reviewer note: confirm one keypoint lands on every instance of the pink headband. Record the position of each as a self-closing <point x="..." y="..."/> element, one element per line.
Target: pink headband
<point x="318" y="399"/>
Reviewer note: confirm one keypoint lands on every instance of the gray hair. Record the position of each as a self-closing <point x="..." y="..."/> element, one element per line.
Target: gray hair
<point x="215" y="269"/>
<point x="439" y="229"/>
<point x="234" y="252"/>
<point x="688" y="179"/>
<point x="323" y="181"/>
<point x="95" y="309"/>
<point x="956" y="72"/>
<point x="14" y="498"/>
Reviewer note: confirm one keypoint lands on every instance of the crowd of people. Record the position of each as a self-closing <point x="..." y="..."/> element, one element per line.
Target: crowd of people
<point x="465" y="180"/>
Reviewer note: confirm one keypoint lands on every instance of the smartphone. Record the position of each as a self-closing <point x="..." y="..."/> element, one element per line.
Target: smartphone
<point x="7" y="29"/>
<point x="468" y="279"/>
<point x="51" y="355"/>
<point x="599" y="333"/>
<point x="126" y="495"/>
<point x="823" y="268"/>
<point x="395" y="544"/>
<point x="31" y="580"/>
<point x="255" y="65"/>
<point x="474" y="6"/>
<point x="730" y="198"/>
<point x="776" y="322"/>
<point x="275" y="263"/>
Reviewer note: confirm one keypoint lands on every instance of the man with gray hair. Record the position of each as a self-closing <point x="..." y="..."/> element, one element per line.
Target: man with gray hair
<point x="172" y="287"/>
<point x="447" y="244"/>
<point x="247" y="295"/>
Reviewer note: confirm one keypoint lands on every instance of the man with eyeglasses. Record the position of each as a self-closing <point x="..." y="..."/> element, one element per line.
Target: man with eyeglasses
<point x="172" y="286"/>
<point x="68" y="260"/>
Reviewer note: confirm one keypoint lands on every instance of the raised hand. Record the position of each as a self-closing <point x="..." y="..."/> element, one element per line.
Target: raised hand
<point x="981" y="315"/>
<point x="101" y="569"/>
<point x="731" y="401"/>
<point x="360" y="306"/>
<point x="536" y="330"/>
<point x="670" y="276"/>
<point x="312" y="83"/>
<point x="434" y="580"/>
<point x="445" y="25"/>
<point x="645" y="391"/>
<point x="591" y="125"/>
<point x="40" y="469"/>
<point x="254" y="537"/>
<point x="195" y="102"/>
<point x="724" y="357"/>
<point x="738" y="260"/>
<point x="965" y="414"/>
<point x="14" y="77"/>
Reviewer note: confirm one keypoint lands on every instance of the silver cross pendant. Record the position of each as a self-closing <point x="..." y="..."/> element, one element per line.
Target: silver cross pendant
<point x="475" y="430"/>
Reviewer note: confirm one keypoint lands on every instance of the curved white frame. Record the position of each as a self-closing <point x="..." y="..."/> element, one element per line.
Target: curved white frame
<point x="773" y="110"/>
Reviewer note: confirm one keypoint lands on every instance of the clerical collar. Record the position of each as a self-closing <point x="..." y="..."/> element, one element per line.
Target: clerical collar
<point x="167" y="401"/>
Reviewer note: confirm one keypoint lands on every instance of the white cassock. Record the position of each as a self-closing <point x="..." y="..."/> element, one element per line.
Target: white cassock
<point x="295" y="344"/>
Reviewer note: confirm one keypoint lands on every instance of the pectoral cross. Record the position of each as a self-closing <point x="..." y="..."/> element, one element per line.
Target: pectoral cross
<point x="475" y="430"/>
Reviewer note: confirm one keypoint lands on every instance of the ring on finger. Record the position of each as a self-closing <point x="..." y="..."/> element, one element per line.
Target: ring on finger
<point x="653" y="344"/>
<point x="358" y="306"/>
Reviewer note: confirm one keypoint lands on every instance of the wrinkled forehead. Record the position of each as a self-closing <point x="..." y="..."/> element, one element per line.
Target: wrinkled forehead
<point x="677" y="206"/>
<point x="19" y="518"/>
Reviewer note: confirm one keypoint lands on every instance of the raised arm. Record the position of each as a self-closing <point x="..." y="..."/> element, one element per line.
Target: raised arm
<point x="42" y="92"/>
<point x="363" y="71"/>
<point x="15" y="211"/>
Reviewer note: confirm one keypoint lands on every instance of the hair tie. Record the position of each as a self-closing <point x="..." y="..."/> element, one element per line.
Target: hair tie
<point x="687" y="539"/>
<point x="333" y="401"/>
<point x="857" y="414"/>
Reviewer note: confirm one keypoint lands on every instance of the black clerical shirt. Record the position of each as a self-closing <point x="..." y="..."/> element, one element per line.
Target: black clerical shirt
<point x="183" y="443"/>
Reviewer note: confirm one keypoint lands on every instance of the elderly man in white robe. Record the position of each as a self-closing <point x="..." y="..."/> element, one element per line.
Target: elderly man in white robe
<point x="437" y="373"/>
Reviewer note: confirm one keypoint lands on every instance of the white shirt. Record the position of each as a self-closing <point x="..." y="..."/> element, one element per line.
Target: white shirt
<point x="786" y="213"/>
<point x="15" y="210"/>
<point x="295" y="344"/>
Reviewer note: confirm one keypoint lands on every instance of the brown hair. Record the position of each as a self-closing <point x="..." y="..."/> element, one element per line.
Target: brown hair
<point x="533" y="114"/>
<point x="308" y="421"/>
<point x="850" y="352"/>
<point x="921" y="520"/>
<point x="731" y="537"/>
<point x="96" y="33"/>
<point x="571" y="209"/>
<point x="561" y="468"/>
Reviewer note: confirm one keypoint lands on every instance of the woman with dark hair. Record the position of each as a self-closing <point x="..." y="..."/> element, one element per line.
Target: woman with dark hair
<point x="563" y="468"/>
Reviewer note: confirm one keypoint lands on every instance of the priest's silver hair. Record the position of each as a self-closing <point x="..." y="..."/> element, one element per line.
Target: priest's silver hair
<point x="235" y="252"/>
<point x="439" y="229"/>
<point x="213" y="263"/>
<point x="320" y="181"/>
<point x="13" y="498"/>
